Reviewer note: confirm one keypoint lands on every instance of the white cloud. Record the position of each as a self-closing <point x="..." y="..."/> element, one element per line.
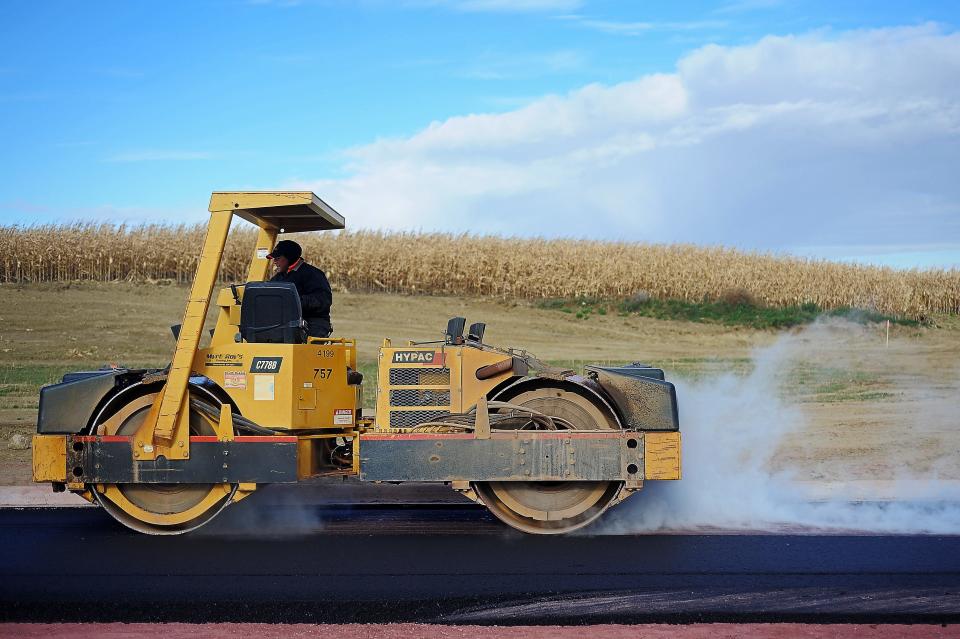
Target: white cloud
<point x="623" y="28"/>
<point x="517" y="5"/>
<point x="742" y="6"/>
<point x="277" y="3"/>
<point x="160" y="155"/>
<point x="495" y="65"/>
<point x="640" y="28"/>
<point x="502" y="6"/>
<point x="815" y="140"/>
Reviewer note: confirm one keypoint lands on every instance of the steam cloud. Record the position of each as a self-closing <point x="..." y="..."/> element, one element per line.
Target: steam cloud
<point x="734" y="425"/>
<point x="270" y="513"/>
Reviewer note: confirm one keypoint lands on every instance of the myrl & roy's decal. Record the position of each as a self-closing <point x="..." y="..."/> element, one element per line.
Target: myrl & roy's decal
<point x="224" y="359"/>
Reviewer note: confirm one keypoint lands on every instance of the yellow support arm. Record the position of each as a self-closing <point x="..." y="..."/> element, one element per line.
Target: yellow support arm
<point x="167" y="425"/>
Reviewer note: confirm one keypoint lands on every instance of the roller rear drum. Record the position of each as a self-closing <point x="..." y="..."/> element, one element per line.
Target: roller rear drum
<point x="553" y="507"/>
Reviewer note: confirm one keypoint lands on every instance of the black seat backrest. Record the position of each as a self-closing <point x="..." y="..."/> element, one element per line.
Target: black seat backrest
<point x="271" y="314"/>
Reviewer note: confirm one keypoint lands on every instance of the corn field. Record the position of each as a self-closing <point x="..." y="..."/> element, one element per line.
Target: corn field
<point x="468" y="265"/>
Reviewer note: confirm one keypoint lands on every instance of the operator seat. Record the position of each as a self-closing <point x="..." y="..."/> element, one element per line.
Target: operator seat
<point x="271" y="314"/>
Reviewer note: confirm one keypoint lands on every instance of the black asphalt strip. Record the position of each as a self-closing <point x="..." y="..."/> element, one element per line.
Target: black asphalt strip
<point x="455" y="564"/>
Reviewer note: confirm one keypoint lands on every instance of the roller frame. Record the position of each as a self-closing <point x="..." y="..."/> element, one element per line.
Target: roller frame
<point x="254" y="459"/>
<point x="504" y="456"/>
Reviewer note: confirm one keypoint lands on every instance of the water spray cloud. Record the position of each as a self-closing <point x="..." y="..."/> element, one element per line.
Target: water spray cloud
<point x="733" y="427"/>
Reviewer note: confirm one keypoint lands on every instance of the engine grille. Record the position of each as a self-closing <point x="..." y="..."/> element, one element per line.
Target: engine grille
<point x="419" y="397"/>
<point x="410" y="418"/>
<point x="419" y="376"/>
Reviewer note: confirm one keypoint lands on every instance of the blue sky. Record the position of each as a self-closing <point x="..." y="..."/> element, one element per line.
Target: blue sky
<point x="828" y="129"/>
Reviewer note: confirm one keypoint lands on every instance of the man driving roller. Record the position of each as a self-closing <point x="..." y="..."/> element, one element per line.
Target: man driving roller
<point x="312" y="285"/>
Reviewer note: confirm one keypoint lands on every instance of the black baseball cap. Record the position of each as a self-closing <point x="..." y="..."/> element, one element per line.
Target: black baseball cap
<point x="286" y="248"/>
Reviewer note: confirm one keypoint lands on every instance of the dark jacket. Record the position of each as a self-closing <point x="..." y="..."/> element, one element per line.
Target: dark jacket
<point x="315" y="296"/>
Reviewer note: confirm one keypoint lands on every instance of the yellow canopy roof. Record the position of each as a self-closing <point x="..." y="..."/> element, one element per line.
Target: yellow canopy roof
<point x="290" y="211"/>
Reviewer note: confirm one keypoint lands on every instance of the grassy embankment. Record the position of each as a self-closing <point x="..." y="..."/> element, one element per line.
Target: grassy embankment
<point x="740" y="311"/>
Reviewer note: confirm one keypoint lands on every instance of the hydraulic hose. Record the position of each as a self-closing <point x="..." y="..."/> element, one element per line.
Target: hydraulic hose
<point x="239" y="422"/>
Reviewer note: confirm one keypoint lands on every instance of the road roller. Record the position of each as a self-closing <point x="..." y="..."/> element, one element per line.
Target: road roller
<point x="546" y="449"/>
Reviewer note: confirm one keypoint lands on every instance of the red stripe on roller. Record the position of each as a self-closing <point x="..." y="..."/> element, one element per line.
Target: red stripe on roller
<point x="512" y="435"/>
<point x="251" y="439"/>
<point x="564" y="434"/>
<point x="247" y="439"/>
<point x="416" y="436"/>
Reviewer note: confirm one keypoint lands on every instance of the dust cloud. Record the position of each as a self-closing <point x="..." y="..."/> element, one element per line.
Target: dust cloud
<point x="734" y="425"/>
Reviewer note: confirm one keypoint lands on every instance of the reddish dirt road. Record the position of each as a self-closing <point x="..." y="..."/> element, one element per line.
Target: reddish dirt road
<point x="420" y="631"/>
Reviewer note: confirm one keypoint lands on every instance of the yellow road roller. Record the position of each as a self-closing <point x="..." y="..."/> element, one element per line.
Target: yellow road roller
<point x="546" y="450"/>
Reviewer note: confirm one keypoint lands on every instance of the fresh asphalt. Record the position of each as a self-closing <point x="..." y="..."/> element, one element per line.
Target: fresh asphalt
<point x="272" y="560"/>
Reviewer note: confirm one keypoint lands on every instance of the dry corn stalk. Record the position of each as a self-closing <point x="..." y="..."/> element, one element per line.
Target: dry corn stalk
<point x="444" y="264"/>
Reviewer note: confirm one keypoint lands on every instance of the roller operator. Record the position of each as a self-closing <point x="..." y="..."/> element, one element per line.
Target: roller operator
<point x="312" y="285"/>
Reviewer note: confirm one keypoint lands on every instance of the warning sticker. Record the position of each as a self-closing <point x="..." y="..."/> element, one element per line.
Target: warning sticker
<point x="263" y="387"/>
<point x="262" y="253"/>
<point x="343" y="416"/>
<point x="235" y="379"/>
